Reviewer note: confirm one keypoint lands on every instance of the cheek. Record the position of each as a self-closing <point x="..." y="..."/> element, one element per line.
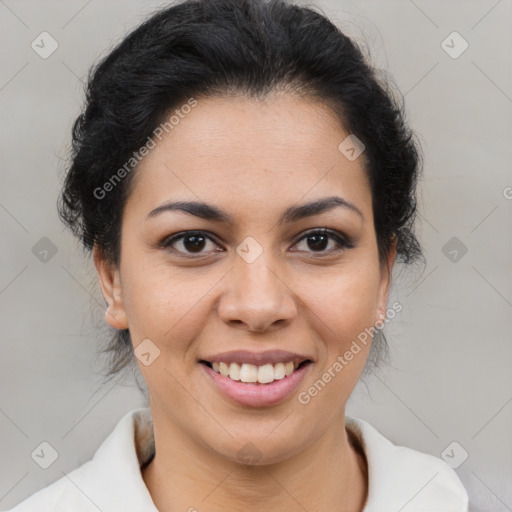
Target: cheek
<point x="346" y="302"/>
<point x="164" y="305"/>
<point x="342" y="313"/>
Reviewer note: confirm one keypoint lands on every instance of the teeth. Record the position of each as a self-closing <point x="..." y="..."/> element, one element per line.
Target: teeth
<point x="234" y="371"/>
<point x="224" y="369"/>
<point x="265" y="374"/>
<point x="279" y="371"/>
<point x="252" y="373"/>
<point x="248" y="373"/>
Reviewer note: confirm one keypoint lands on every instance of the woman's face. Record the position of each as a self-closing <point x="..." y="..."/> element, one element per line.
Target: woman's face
<point x="251" y="280"/>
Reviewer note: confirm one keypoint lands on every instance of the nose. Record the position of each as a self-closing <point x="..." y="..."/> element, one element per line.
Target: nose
<point x="257" y="298"/>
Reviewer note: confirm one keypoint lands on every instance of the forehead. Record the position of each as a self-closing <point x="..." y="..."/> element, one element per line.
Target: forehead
<point x="264" y="152"/>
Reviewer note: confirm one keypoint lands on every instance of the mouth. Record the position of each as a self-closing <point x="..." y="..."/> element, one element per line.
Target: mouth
<point x="256" y="379"/>
<point x="248" y="373"/>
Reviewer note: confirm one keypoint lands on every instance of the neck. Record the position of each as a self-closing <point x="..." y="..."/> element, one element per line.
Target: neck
<point x="185" y="475"/>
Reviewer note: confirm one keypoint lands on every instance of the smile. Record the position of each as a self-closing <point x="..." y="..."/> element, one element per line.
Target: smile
<point x="251" y="373"/>
<point x="256" y="386"/>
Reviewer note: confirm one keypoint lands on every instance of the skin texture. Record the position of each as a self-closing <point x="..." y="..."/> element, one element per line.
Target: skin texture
<point x="252" y="159"/>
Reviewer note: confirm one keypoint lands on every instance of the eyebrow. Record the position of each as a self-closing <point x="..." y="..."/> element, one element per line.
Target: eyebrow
<point x="291" y="214"/>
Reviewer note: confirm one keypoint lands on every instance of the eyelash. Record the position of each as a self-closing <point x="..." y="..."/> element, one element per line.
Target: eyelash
<point x="342" y="242"/>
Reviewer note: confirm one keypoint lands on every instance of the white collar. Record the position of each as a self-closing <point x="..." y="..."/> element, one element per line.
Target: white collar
<point x="406" y="480"/>
<point x="400" y="479"/>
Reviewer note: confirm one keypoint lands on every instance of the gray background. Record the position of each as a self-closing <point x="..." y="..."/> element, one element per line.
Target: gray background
<point x="449" y="379"/>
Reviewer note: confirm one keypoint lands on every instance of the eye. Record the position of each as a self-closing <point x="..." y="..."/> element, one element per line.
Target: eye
<point x="193" y="242"/>
<point x="318" y="241"/>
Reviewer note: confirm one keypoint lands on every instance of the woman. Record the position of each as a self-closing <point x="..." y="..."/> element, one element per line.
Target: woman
<point x="245" y="184"/>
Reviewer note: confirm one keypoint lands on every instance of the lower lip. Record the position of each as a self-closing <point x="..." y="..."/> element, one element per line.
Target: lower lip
<point x="255" y="394"/>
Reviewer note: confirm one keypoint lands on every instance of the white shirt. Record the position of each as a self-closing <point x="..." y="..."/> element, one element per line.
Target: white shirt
<point x="399" y="478"/>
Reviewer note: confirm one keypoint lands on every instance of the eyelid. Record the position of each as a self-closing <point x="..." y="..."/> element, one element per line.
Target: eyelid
<point x="343" y="241"/>
<point x="169" y="240"/>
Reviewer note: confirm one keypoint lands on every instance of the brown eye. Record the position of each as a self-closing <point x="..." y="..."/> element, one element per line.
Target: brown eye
<point x="318" y="241"/>
<point x="321" y="241"/>
<point x="188" y="242"/>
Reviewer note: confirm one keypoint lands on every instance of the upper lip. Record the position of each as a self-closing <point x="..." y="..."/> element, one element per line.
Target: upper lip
<point x="257" y="358"/>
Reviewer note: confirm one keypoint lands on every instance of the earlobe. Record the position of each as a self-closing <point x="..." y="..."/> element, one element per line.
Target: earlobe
<point x="114" y="319"/>
<point x="108" y="275"/>
<point x="381" y="318"/>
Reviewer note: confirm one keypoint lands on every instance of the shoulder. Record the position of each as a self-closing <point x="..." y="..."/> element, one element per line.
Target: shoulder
<point x="58" y="496"/>
<point x="111" y="480"/>
<point x="401" y="478"/>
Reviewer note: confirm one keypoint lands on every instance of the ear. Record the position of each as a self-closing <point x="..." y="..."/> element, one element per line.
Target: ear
<point x="111" y="288"/>
<point x="385" y="281"/>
